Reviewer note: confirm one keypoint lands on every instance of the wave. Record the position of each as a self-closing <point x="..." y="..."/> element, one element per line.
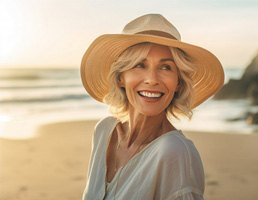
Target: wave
<point x="43" y="99"/>
<point x="38" y="74"/>
<point x="38" y="86"/>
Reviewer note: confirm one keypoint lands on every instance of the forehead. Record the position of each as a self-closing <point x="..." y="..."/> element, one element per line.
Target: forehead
<point x="159" y="51"/>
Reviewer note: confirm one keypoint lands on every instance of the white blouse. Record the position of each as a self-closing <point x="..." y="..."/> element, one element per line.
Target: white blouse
<point x="168" y="168"/>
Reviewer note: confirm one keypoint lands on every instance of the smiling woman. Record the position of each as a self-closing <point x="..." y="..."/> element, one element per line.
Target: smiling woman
<point x="150" y="85"/>
<point x="134" y="58"/>
<point x="147" y="74"/>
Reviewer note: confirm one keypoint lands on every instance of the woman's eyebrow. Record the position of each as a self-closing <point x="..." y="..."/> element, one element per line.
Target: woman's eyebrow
<point x="167" y="59"/>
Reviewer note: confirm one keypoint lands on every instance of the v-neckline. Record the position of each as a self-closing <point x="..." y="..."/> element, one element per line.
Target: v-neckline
<point x="134" y="156"/>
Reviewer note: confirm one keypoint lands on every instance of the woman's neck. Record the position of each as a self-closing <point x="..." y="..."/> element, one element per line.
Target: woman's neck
<point x="141" y="130"/>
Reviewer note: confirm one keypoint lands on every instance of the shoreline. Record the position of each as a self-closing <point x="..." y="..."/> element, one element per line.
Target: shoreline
<point x="53" y="165"/>
<point x="29" y="129"/>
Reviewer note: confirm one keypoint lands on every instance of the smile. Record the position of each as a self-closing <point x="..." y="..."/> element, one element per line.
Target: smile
<point x="150" y="94"/>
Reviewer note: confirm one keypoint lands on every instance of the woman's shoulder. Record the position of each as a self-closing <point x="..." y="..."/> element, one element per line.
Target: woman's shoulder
<point x="174" y="145"/>
<point x="176" y="149"/>
<point x="104" y="127"/>
<point x="106" y="122"/>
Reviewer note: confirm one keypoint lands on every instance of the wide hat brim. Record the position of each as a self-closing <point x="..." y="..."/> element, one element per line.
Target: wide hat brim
<point x="208" y="76"/>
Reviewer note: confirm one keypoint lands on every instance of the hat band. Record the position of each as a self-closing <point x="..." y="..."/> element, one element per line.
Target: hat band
<point x="158" y="33"/>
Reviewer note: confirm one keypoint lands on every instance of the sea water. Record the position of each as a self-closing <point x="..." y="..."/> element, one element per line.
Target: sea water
<point x="31" y="97"/>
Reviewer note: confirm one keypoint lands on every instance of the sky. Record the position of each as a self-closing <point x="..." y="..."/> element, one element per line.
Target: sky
<point x="56" y="33"/>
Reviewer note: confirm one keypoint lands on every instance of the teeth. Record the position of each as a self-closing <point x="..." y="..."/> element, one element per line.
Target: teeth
<point x="150" y="94"/>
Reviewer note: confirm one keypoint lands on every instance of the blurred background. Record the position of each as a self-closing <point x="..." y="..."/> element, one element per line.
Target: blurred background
<point x="42" y="43"/>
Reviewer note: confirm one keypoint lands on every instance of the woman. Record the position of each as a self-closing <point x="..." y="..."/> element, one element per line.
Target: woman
<point x="147" y="76"/>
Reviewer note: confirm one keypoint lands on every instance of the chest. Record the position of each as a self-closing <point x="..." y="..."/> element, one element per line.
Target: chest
<point x="118" y="156"/>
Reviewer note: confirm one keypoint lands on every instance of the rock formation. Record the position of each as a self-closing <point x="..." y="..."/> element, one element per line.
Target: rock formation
<point x="246" y="87"/>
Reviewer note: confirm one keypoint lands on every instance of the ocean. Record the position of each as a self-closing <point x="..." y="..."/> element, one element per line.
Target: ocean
<point x="32" y="97"/>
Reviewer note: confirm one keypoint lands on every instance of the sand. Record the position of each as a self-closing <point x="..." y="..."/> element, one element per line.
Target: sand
<point x="54" y="164"/>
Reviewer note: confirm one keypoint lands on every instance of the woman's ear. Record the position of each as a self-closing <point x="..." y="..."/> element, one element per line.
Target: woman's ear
<point x="178" y="87"/>
<point x="121" y="81"/>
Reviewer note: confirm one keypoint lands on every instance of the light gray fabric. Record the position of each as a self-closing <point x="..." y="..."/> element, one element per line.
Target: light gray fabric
<point x="169" y="168"/>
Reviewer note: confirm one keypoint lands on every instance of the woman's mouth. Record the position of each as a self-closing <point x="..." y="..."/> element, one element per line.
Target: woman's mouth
<point x="150" y="94"/>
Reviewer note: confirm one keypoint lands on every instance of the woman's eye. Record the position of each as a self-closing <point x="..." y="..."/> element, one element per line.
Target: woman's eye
<point x="139" y="65"/>
<point x="166" y="67"/>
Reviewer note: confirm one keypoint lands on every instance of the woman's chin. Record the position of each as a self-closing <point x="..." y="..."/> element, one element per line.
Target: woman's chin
<point x="152" y="113"/>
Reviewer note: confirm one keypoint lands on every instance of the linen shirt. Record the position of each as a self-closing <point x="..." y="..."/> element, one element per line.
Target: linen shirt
<point x="168" y="168"/>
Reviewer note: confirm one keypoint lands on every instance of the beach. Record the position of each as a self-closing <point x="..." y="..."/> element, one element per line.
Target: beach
<point x="53" y="165"/>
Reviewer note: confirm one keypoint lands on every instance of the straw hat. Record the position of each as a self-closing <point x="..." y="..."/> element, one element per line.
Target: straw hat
<point x="208" y="77"/>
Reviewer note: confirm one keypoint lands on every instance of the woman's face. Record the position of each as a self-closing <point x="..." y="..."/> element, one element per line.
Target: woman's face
<point x="150" y="85"/>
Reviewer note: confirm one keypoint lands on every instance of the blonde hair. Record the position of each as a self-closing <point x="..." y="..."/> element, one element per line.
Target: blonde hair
<point x="117" y="99"/>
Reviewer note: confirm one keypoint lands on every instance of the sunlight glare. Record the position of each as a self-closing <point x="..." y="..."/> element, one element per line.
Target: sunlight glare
<point x="10" y="33"/>
<point x="4" y="118"/>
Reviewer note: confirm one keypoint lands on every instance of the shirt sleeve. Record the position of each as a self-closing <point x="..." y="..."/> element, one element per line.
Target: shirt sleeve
<point x="181" y="171"/>
<point x="95" y="187"/>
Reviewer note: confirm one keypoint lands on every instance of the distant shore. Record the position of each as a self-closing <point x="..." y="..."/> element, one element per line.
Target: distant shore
<point x="54" y="164"/>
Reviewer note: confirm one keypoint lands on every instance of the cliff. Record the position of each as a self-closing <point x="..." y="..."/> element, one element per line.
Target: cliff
<point x="245" y="87"/>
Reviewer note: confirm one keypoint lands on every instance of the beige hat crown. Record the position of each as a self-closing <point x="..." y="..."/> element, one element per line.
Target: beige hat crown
<point x="146" y="24"/>
<point x="208" y="76"/>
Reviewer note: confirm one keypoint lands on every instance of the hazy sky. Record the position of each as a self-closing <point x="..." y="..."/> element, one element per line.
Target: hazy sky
<point x="57" y="32"/>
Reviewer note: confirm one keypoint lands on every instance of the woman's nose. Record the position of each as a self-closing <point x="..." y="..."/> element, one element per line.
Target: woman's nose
<point x="151" y="77"/>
